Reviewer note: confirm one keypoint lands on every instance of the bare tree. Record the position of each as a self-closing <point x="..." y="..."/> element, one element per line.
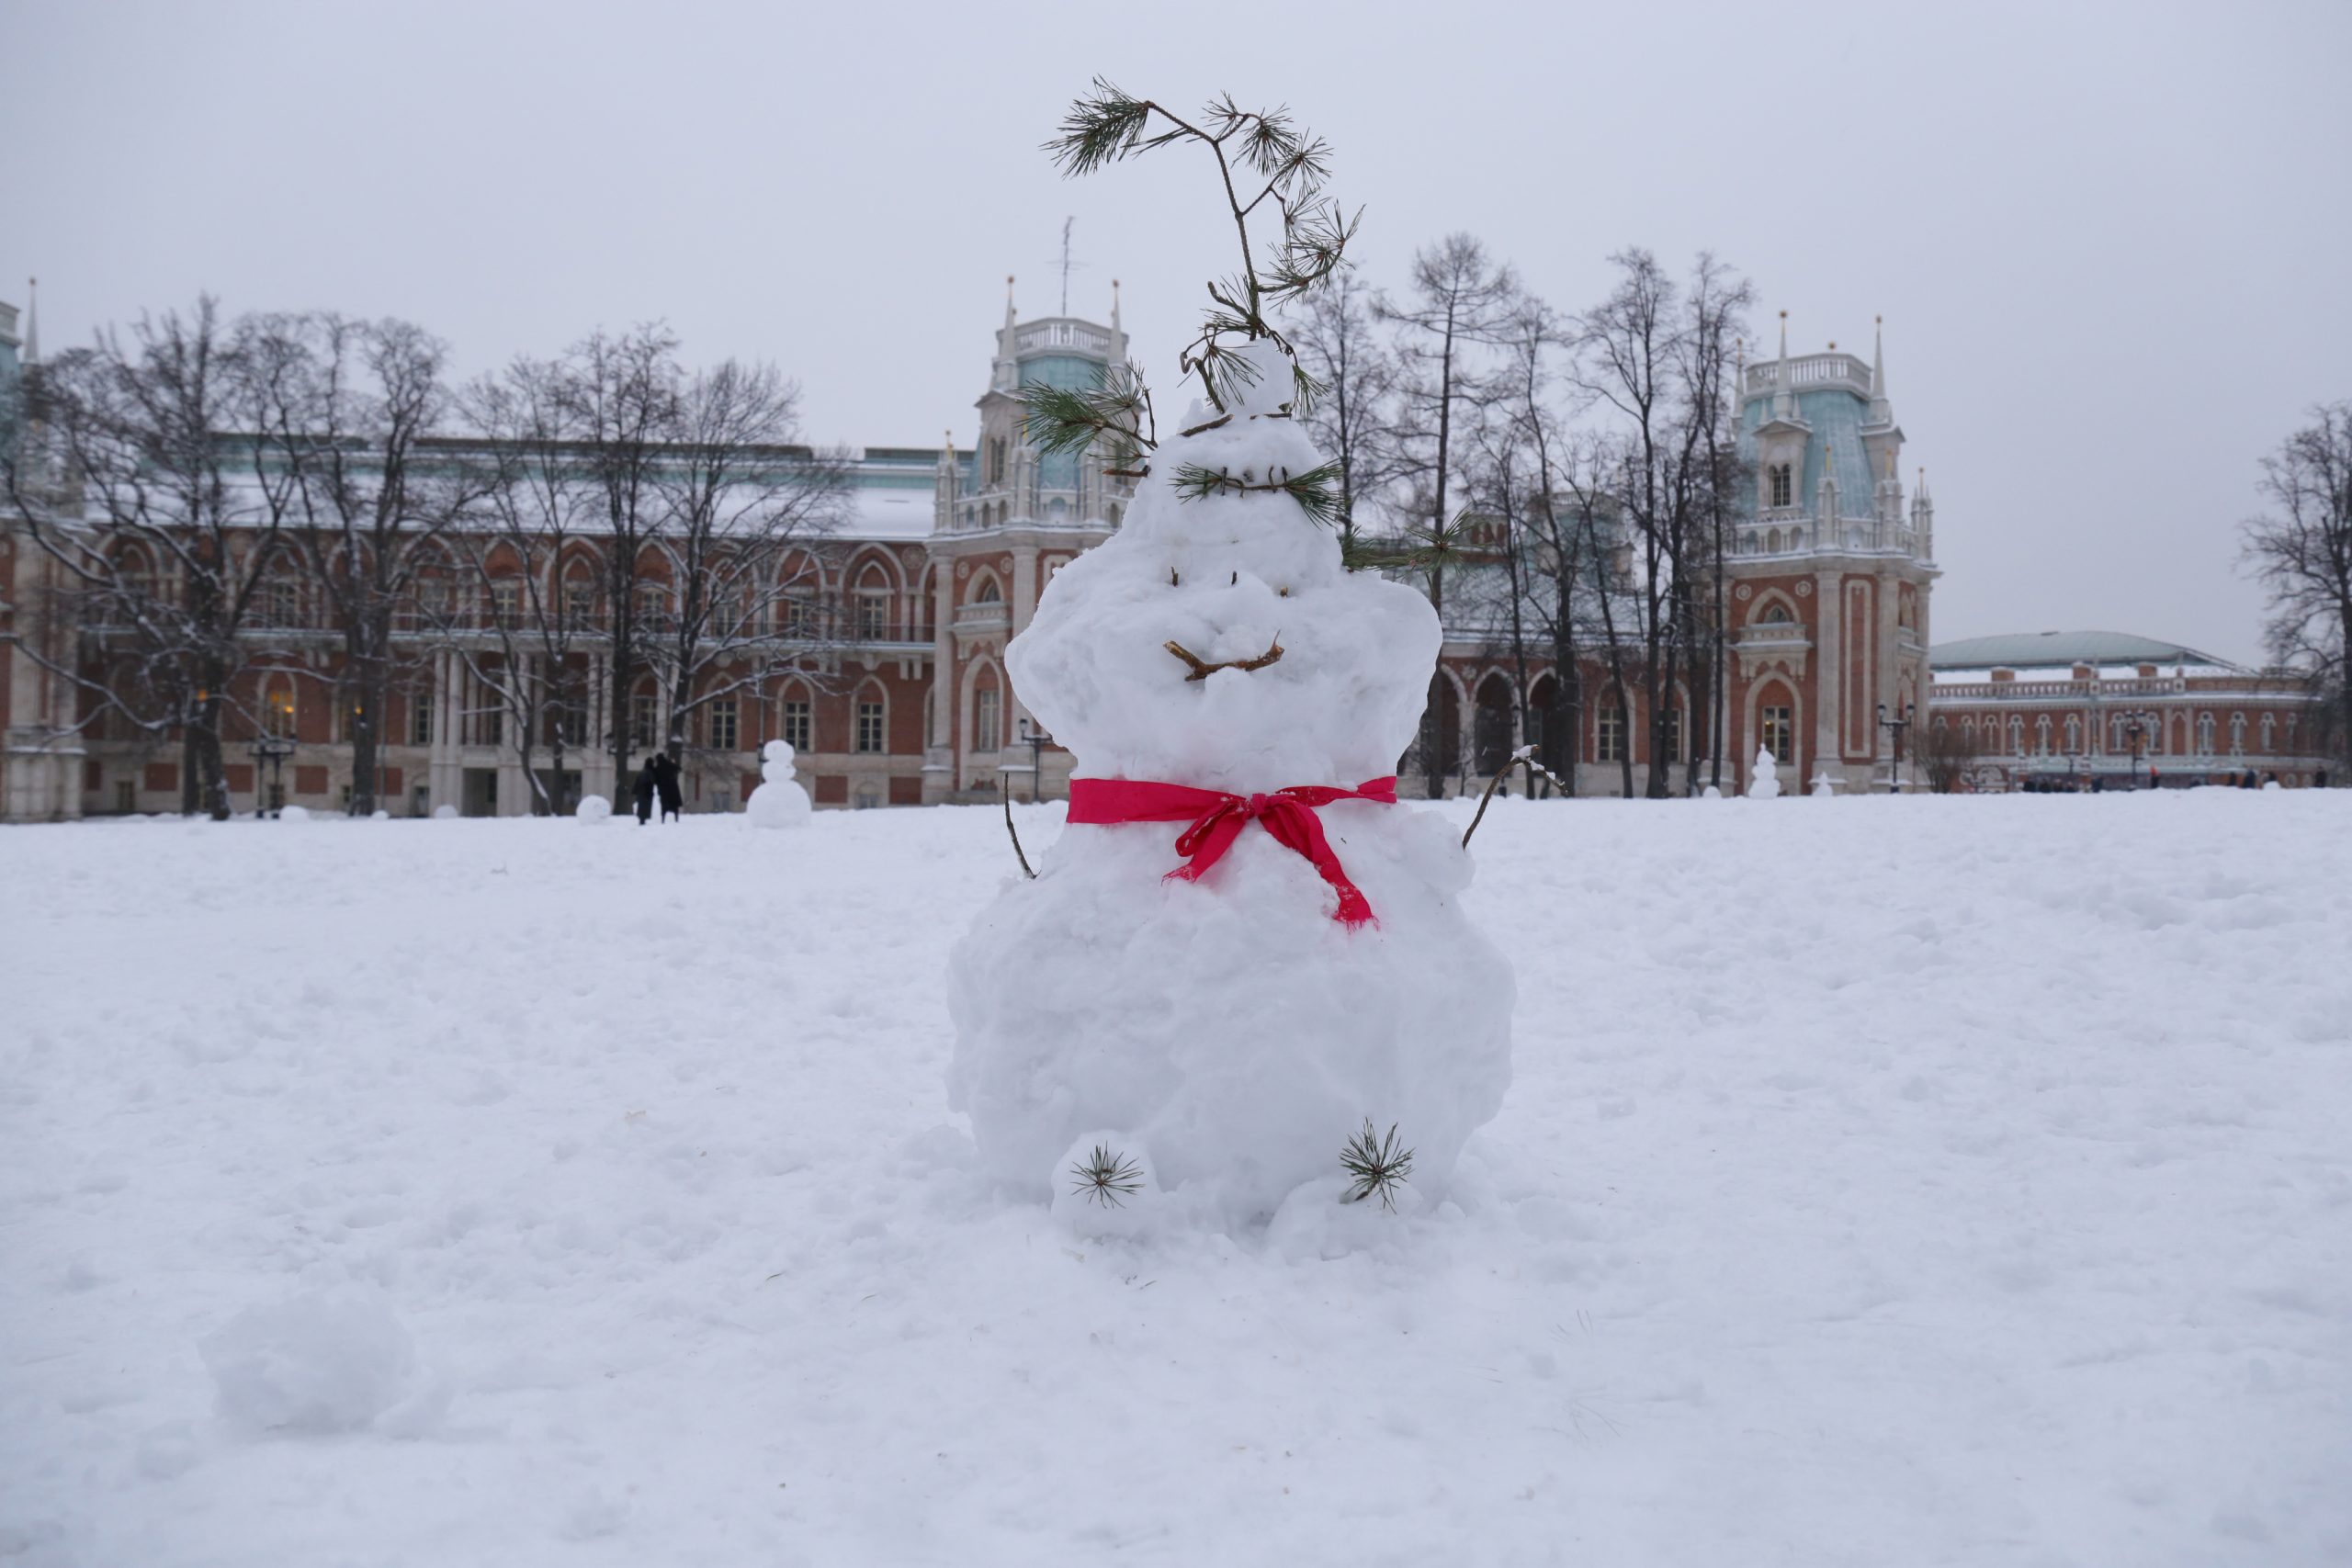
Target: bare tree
<point x="528" y="601"/>
<point x="743" y="506"/>
<point x="143" y="481"/>
<point x="1594" y="548"/>
<point x="1519" y="442"/>
<point x="1352" y="416"/>
<point x="1947" y="753"/>
<point x="620" y="404"/>
<point x="1655" y="357"/>
<point x="2302" y="551"/>
<point x="348" y="406"/>
<point x="1460" y="297"/>
<point x="1714" y="305"/>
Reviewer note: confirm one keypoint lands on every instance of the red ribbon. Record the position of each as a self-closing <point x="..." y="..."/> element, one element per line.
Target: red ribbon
<point x="1217" y="819"/>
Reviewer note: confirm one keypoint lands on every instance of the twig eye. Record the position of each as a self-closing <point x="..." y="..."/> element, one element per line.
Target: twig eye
<point x="1171" y="578"/>
<point x="1282" y="592"/>
<point x="1234" y="581"/>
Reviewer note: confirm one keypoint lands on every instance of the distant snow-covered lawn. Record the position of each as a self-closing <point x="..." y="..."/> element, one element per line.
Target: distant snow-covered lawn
<point x="1883" y="1182"/>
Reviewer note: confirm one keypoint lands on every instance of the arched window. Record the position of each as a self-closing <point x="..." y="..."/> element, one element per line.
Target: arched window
<point x="1491" y="733"/>
<point x="987" y="592"/>
<point x="277" y="711"/>
<point x="987" y="718"/>
<point x="2204" y="733"/>
<point x="1778" y="482"/>
<point x="643" y="710"/>
<point x="1608" y="732"/>
<point x="2269" y="732"/>
<point x="796" y="719"/>
<point x="2074" y="735"/>
<point x="2237" y="734"/>
<point x="1776" y="615"/>
<point x="2016" y="735"/>
<point x="1772" y="543"/>
<point x="2042" y="735"/>
<point x="652" y="603"/>
<point x="579" y="598"/>
<point x="873" y="604"/>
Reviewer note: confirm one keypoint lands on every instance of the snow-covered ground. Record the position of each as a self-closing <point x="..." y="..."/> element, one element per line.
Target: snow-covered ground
<point x="1922" y="1181"/>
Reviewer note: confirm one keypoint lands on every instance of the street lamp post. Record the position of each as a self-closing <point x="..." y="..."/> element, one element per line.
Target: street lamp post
<point x="1036" y="740"/>
<point x="275" y="752"/>
<point x="2137" y="724"/>
<point x="1896" y="727"/>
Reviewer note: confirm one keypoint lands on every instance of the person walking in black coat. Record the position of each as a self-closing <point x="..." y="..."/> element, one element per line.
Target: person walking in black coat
<point x="665" y="781"/>
<point x="643" y="790"/>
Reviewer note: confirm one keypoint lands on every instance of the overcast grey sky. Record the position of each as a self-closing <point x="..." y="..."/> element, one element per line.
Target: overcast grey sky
<point x="2109" y="242"/>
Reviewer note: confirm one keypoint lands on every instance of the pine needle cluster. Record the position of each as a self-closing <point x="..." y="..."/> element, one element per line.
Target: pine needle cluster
<point x="1117" y="412"/>
<point x="1377" y="1164"/>
<point x="1264" y="158"/>
<point x="1107" y="1177"/>
<point x="1317" y="490"/>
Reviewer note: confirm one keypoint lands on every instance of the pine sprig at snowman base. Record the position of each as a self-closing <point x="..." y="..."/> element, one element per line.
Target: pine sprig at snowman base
<point x="1242" y="948"/>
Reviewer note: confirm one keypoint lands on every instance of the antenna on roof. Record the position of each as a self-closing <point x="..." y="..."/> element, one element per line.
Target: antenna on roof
<point x="1066" y="227"/>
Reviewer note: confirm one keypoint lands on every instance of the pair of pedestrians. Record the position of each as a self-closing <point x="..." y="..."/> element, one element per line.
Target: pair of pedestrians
<point x="657" y="779"/>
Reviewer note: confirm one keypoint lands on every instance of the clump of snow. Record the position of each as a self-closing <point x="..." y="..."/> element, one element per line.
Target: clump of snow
<point x="326" y="1360"/>
<point x="1231" y="1026"/>
<point x="1765" y="783"/>
<point x="445" y="813"/>
<point x="293" y="814"/>
<point x="593" y="808"/>
<point x="780" y="801"/>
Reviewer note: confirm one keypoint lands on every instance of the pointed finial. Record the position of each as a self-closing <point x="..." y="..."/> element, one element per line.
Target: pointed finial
<point x="1881" y="411"/>
<point x="32" y="321"/>
<point x="1114" y="301"/>
<point x="1007" y="299"/>
<point x="1785" y="402"/>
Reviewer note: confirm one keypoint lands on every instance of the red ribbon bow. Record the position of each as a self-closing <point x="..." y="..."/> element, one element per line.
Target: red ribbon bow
<point x="1217" y="819"/>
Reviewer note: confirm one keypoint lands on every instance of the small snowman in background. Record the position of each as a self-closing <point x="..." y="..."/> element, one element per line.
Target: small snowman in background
<point x="1766" y="783"/>
<point x="779" y="802"/>
<point x="1243" y="985"/>
<point x="1824" y="786"/>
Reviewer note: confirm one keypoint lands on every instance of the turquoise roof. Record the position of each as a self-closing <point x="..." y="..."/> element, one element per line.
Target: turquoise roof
<point x="1837" y="418"/>
<point x="2039" y="651"/>
<point x="1071" y="372"/>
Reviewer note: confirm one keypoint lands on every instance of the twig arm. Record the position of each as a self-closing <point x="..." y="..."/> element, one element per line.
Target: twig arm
<point x="1524" y="754"/>
<point x="1015" y="836"/>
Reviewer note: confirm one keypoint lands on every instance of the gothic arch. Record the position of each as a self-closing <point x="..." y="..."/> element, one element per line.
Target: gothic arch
<point x="1752" y="726"/>
<point x="870" y="690"/>
<point x="1491" y="725"/>
<point x="1770" y="600"/>
<point x="981" y="674"/>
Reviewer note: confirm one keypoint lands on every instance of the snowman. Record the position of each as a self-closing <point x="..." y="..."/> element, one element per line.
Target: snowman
<point x="779" y="802"/>
<point x="1765" y="783"/>
<point x="1242" y="947"/>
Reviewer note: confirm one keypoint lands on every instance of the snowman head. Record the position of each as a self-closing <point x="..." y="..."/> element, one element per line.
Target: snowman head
<point x="1216" y="641"/>
<point x="776" y="760"/>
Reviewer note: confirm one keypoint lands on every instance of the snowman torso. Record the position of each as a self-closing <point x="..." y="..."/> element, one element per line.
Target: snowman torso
<point x="1230" y="1027"/>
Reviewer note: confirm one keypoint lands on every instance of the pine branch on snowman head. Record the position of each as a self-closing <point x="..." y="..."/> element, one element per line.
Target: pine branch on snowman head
<point x="1264" y="160"/>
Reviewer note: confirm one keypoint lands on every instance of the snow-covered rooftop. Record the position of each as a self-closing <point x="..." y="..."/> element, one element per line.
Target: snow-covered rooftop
<point x="2043" y="650"/>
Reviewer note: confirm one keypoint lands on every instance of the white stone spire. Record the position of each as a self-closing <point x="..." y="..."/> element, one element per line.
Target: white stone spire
<point x="1784" y="397"/>
<point x="1881" y="411"/>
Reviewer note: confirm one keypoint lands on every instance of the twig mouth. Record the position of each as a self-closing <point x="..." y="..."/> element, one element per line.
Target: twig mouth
<point x="1201" y="672"/>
